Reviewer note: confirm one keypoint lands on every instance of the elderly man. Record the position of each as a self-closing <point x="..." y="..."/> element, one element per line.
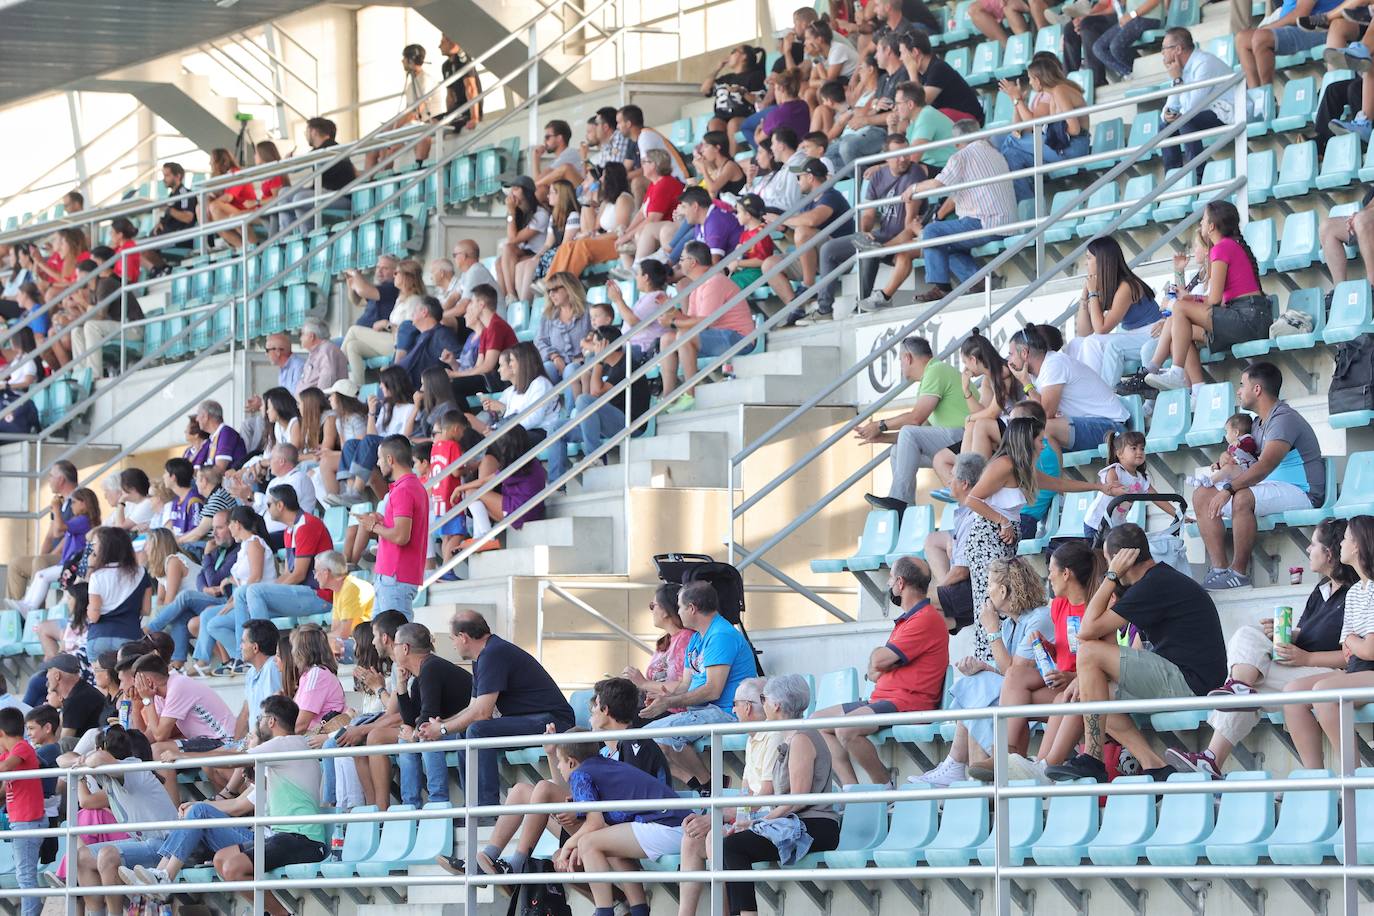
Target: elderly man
<point x="325" y="363"/>
<point x="908" y="671"/>
<point x="935" y="422"/>
<point x="289" y="365"/>
<point x="373" y="334"/>
<point x="430" y="689"/>
<point x="225" y="447"/>
<point x="434" y="339"/>
<point x="62" y="480"/>
<point x="351" y="604"/>
<point x="285" y="468"/>
<point x="1188" y="64"/>
<point x="471" y="273"/>
<point x="81" y="704"/>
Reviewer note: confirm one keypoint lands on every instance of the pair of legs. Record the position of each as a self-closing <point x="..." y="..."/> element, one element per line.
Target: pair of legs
<point x="1184" y="330"/>
<point x="850" y="746"/>
<point x="619" y="848"/>
<point x="1346" y="230"/>
<point x="710" y="342"/>
<point x="916" y="448"/>
<point x="989" y="17"/>
<point x="1116" y="48"/>
<point x="685" y="763"/>
<point x="1307" y="724"/>
<point x="361" y="344"/>
<point x="981" y="436"/>
<point x="1023" y="687"/>
<point x="21" y="570"/>
<point x="745" y="848"/>
<point x="200" y="831"/>
<point x="528" y="827"/>
<point x="1099" y="675"/>
<point x="1258" y="49"/>
<point x="508" y="256"/>
<point x="175" y="618"/>
<point x="98" y="864"/>
<point x="220" y="209"/>
<point x="731" y="127"/>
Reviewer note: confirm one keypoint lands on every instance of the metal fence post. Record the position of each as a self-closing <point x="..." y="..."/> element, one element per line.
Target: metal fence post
<point x="1038" y="138"/>
<point x="74" y="843"/>
<point x="533" y="82"/>
<point x="717" y="856"/>
<point x="1001" y="822"/>
<point x="261" y="793"/>
<point x="1350" y="885"/>
<point x="470" y="780"/>
<point x="1239" y="109"/>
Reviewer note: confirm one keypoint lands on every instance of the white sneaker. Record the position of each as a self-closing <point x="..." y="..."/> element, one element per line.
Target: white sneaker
<point x="949" y="771"/>
<point x="874" y="302"/>
<point x="1167" y="379"/>
<point x="1019" y="767"/>
<point x="156" y="877"/>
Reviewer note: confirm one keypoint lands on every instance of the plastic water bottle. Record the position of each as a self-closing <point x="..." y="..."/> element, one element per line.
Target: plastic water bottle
<point x="1170" y="298"/>
<point x="336" y="843"/>
<point x="1043" y="663"/>
<point x="1072" y="625"/>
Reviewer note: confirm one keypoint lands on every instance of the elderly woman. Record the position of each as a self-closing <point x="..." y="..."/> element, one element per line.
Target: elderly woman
<point x="1013" y="613"/>
<point x="786" y="832"/>
<point x="760" y="753"/>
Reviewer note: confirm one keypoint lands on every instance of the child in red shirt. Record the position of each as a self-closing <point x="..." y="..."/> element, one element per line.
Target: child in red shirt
<point x="749" y="210"/>
<point x="23" y="802"/>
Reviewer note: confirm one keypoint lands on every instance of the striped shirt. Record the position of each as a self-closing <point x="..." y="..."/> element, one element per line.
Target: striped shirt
<point x="1359" y="610"/>
<point x="993" y="204"/>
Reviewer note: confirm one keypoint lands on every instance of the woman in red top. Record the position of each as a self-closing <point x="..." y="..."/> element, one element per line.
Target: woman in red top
<point x="1073" y="567"/>
<point x="124" y="235"/>
<point x="58" y="271"/>
<point x="232" y="201"/>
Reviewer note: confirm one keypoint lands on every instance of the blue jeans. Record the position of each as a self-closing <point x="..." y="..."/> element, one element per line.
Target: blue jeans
<point x="750" y="125"/>
<point x="26" y="864"/>
<point x="489" y="761"/>
<point x="359" y="457"/>
<point x="952" y="259"/>
<point x="265" y="600"/>
<point x="427" y="767"/>
<point x="708" y="714"/>
<point x="1020" y="154"/>
<point x="1175" y="156"/>
<point x="215" y="628"/>
<point x="1115" y="50"/>
<point x="1090" y="432"/>
<point x="99" y="645"/>
<point x="174" y="617"/>
<point x="394" y="596"/>
<point x="592" y="429"/>
<point x="181" y="844"/>
<point x="715" y="341"/>
<point x="133" y="852"/>
<point x="569" y="370"/>
<point x="863" y="142"/>
<point x="680" y="239"/>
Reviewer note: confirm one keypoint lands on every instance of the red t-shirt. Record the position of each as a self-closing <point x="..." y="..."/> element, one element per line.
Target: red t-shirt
<point x="1060" y="611"/>
<point x="271" y="186"/>
<point x="131" y="263"/>
<point x="920" y="638"/>
<point x="407" y="499"/>
<point x="443" y="454"/>
<point x="497" y="335"/>
<point x="240" y="194"/>
<point x="309" y="538"/>
<point x="662" y="197"/>
<point x="763" y="248"/>
<point x="24" y="797"/>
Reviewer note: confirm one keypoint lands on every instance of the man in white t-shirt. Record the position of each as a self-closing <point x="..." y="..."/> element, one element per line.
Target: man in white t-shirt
<point x="1081" y="407"/>
<point x="471" y="273"/>
<point x="832" y="58"/>
<point x="567" y="162"/>
<point x="285" y="468"/>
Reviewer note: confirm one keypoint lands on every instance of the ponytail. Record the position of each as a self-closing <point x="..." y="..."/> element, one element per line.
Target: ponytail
<point x="1225" y="218"/>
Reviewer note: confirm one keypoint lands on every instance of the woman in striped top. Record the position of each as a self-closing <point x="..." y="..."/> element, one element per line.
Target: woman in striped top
<point x="1306" y="724"/>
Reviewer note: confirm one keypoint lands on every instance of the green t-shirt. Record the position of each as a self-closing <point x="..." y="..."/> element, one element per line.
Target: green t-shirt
<point x="293" y="786"/>
<point x="930" y="125"/>
<point x="942" y="380"/>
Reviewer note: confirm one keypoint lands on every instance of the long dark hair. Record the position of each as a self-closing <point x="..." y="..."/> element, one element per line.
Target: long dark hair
<point x="113" y="547"/>
<point x="665" y="596"/>
<point x="1021" y="444"/>
<point x="1087" y="566"/>
<point x="754" y="58"/>
<point x="1225" y="219"/>
<point x="396" y="390"/>
<point x="513" y="443"/>
<point x="1003" y="382"/>
<point x="438" y="391"/>
<point x="1361" y="527"/>
<point x="283" y="404"/>
<point x="1112" y="271"/>
<point x="614" y="182"/>
<point x="1329" y="533"/>
<point x="251" y="522"/>
<point x="1117" y="441"/>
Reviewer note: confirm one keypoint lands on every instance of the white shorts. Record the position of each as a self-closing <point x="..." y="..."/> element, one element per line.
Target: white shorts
<point x="1273" y="497"/>
<point x="657" y="839"/>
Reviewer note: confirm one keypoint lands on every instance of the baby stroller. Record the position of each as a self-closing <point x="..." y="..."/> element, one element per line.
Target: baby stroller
<point x="1166" y="546"/>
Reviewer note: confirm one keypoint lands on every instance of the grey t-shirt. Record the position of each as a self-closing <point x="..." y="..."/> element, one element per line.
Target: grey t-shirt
<point x="139" y="798"/>
<point x="1303" y="464"/>
<point x="569" y="156"/>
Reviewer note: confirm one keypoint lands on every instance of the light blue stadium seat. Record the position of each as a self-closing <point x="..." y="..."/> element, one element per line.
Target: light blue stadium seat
<point x="1175" y="208"/>
<point x="1073" y="514"/>
<point x="917" y="523"/>
<point x="680" y="133"/>
<point x="1070" y="826"/>
<point x="1367" y="167"/>
<point x="862" y="830"/>
<point x="1307" y="824"/>
<point x="1244" y="822"/>
<point x="924" y="732"/>
<point x="1261" y="104"/>
<point x="1298" y="105"/>
<point x="1224" y="47"/>
<point x="1128" y="821"/>
<point x="393" y="849"/>
<point x="1093" y="225"/>
<point x="836" y="687"/>
<point x="1062" y="229"/>
<point x="1340" y="162"/>
<point x="1025" y="823"/>
<point x="914" y="825"/>
<point x="1300" y="246"/>
<point x="1136" y="188"/>
<point x="986" y="57"/>
<point x="1298" y="171"/>
<point x="1262" y="173"/>
<point x="1262" y="237"/>
<point x="1215" y="405"/>
<point x="963" y="828"/>
<point x="1015" y="56"/>
<point x="1108" y="135"/>
<point x="1084" y="79"/>
<point x="11" y="633"/>
<point x="1357" y="488"/>
<point x="361" y="841"/>
<point x="1169" y="424"/>
<point x="878" y="540"/>
<point x="1364" y="823"/>
<point x="1298" y="517"/>
<point x="1027" y="547"/>
<point x="1144" y="127"/>
<point x="1308" y="301"/>
<point x="1050" y="39"/>
<point x="1185" y="821"/>
<point x="1351" y="313"/>
<point x="958" y="59"/>
<point x="1002" y="111"/>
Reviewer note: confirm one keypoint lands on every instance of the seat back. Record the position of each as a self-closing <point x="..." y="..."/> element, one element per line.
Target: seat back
<point x="1183" y="819"/>
<point x="864" y="824"/>
<point x="1145" y="126"/>
<point x="1350" y="305"/>
<point x="1051" y="39"/>
<point x="1309" y="302"/>
<point x="947" y="517"/>
<point x="361" y="838"/>
<point x="1170" y="420"/>
<point x="836" y="687"/>
<point x="985" y="60"/>
<point x="1299" y="97"/>
<point x="917" y="523"/>
<point x="1244" y="817"/>
<point x="1127" y="819"/>
<point x="1358" y="482"/>
<point x="1108" y="135"/>
<point x="1299" y="162"/>
<point x="958" y="59"/>
<point x="963" y="822"/>
<point x="1074" y="514"/>
<point x="1261" y="173"/>
<point x="11" y="629"/>
<point x="880" y="533"/>
<point x="1017" y="52"/>
<point x="581" y="703"/>
<point x="1025" y="817"/>
<point x="1308" y="816"/>
<point x="433" y="836"/>
<point x="1261" y="236"/>
<point x="914" y="823"/>
<point x="397" y="838"/>
<point x="1299" y="237"/>
<point x="1342" y="156"/>
<point x="1215" y="405"/>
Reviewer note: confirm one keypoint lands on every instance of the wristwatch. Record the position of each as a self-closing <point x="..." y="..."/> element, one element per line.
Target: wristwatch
<point x="1112" y="576"/>
<point x="443" y="730"/>
<point x="882" y="426"/>
<point x="1225" y="485"/>
<point x="992" y="635"/>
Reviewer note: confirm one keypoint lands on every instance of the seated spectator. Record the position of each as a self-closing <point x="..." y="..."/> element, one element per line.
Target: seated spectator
<point x="253" y="563"/>
<point x="920" y="122"/>
<point x="1060" y="140"/>
<point x="470" y="273"/>
<point x="803" y="766"/>
<point x="410" y="293"/>
<point x="310" y="676"/>
<point x="514" y="492"/>
<point x="175" y="615"/>
<point x="62" y="483"/>
<point x="870" y="124"/>
<point x="80" y="704"/>
<point x="523" y="368"/>
<point x="120" y="592"/>
<point x="56" y="273"/>
<point x="20" y="370"/>
<point x="908" y="672"/>
<point x="1175" y="616"/>
<point x="58" y="636"/>
<point x="387" y="415"/>
<point x="179" y="213"/>
<point x="1125" y="468"/>
<point x="945" y="88"/>
<point x="1187" y="64"/>
<point x="1081" y="407"/>
<point x="666" y="665"/>
<point x="651" y="282"/>
<point x="595" y="426"/>
<point x="84" y="518"/>
<point x="283" y="469"/>
<point x="8" y="699"/>
<point x="1307" y="724"/>
<point x="565" y="221"/>
<point x="704" y="301"/>
<point x="563" y="325"/>
<point x="610" y="145"/>
<point x="1116" y="311"/>
<point x="1290" y="474"/>
<point x="607" y="214"/>
<point x="766" y="177"/>
<point x="718" y="659"/>
<point x="996" y="402"/>
<point x="494" y="336"/>
<point x="1011" y="618"/>
<point x="1116" y="48"/>
<point x="1356" y="229"/>
<point x="1259" y="665"/>
<point x="351" y="600"/>
<point x="296" y="592"/>
<point x="435" y="338"/>
<point x="789" y="110"/>
<point x="645" y="233"/>
<point x="566" y="164"/>
<point x="262" y="675"/>
<point x="231" y="202"/>
<point x="224" y="447"/>
<point x="820" y="211"/>
<point x="430" y="690"/>
<point x="373" y="773"/>
<point x="373" y="333"/>
<point x="512" y="694"/>
<point x="989" y="15"/>
<point x="289" y="365"/>
<point x="180" y="705"/>
<point x="934" y="423"/>
<point x="1259" y="47"/>
<point x="735" y="86"/>
<point x="114" y="306"/>
<point x="527" y="224"/>
<point x="174" y="571"/>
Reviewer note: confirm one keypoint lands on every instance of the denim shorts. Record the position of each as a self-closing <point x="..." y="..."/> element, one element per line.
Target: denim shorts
<point x="1242" y="319"/>
<point x="1090" y="432"/>
<point x="715" y="341"/>
<point x="1292" y="40"/>
<point x="134" y="852"/>
<point x="697" y="715"/>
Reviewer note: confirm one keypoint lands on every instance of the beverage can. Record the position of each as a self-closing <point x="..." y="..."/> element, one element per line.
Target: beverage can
<point x="1072" y="625"/>
<point x="126" y="712"/>
<point x="1043" y="663"/>
<point x="1283" y="627"/>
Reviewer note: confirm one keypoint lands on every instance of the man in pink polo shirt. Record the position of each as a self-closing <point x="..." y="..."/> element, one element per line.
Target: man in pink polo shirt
<point x="723" y="333"/>
<point x="403" y="534"/>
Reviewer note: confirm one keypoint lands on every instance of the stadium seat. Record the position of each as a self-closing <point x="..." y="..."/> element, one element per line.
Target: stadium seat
<point x="1298" y="171"/>
<point x="1073" y="514"/>
<point x="1128" y="821"/>
<point x="915" y="823"/>
<point x="1298" y="517"/>
<point x="1244" y="822"/>
<point x="1175" y="208"/>
<point x="1084" y="78"/>
<point x="1308" y="301"/>
<point x="1298" y="105"/>
<point x="863" y="828"/>
<point x="1050" y="39"/>
<point x="1340" y="162"/>
<point x="392" y="849"/>
<point x="1185" y="821"/>
<point x="878" y="540"/>
<point x="1136" y="188"/>
<point x="1364" y="823"/>
<point x="1224" y="47"/>
<point x="1307" y="824"/>
<point x="917" y="523"/>
<point x="1105" y="196"/>
<point x="1215" y="405"/>
<point x="1357" y="488"/>
<point x="1301" y="245"/>
<point x="1070" y="826"/>
<point x="1143" y="128"/>
<point x="361" y="842"/>
<point x="1028" y="547"/>
<point x="837" y="687"/>
<point x="1015" y="56"/>
<point x="1108" y="135"/>
<point x="1025" y="823"/>
<point x="963" y="828"/>
<point x="1351" y="313"/>
<point x="1261" y="104"/>
<point x="1261" y="174"/>
<point x="1169" y="424"/>
<point x="11" y="633"/>
<point x="1262" y="237"/>
<point x="1002" y="111"/>
<point x="985" y="60"/>
<point x="958" y="59"/>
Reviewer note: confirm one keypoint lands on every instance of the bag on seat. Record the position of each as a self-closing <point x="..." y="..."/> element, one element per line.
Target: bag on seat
<point x="1352" y="383"/>
<point x="682" y="568"/>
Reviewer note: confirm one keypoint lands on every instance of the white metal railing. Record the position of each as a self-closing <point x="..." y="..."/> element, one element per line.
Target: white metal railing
<point x="1003" y="874"/>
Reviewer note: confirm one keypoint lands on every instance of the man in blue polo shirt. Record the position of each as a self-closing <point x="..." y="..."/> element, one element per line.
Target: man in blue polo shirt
<point x="718" y="659"/>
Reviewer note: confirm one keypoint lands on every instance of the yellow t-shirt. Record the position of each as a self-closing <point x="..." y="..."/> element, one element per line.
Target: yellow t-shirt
<point x="353" y="601"/>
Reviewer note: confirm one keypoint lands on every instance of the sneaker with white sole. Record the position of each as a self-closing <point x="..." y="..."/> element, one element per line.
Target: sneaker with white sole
<point x="874" y="303"/>
<point x="1219" y="580"/>
<point x="1190" y="762"/>
<point x="1020" y="767"/>
<point x="1167" y="379"/>
<point x="948" y="772"/>
<point x="154" y="877"/>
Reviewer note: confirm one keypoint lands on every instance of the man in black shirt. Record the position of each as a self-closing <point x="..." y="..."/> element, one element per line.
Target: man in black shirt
<point x="320" y="133"/>
<point x="79" y="702"/>
<point x="180" y="213"/>
<point x="460" y="91"/>
<point x="429" y="690"/>
<point x="945" y="88"/>
<point x="1175" y="616"/>
<point x="870" y="123"/>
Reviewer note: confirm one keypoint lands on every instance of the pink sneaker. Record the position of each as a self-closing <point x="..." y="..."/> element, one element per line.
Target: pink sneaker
<point x="1234" y="688"/>
<point x="1187" y="761"/>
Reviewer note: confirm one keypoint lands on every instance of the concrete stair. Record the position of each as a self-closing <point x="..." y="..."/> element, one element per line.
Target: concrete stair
<point x="786" y="376"/>
<point x="554" y="546"/>
<point x="687" y="459"/>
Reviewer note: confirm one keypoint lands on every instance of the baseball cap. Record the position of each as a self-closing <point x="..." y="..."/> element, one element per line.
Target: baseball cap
<point x="64" y="662"/>
<point x="520" y="181"/>
<point x="813" y="167"/>
<point x="346" y="387"/>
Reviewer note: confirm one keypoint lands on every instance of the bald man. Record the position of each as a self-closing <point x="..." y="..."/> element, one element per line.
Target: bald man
<point x="471" y="273"/>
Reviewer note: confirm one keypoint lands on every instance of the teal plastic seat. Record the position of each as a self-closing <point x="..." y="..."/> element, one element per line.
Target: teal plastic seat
<point x="917" y="524"/>
<point x="1224" y="47"/>
<point x="1215" y="405"/>
<point x="1262" y="174"/>
<point x="958" y="59"/>
<point x="1307" y="824"/>
<point x="1262" y="237"/>
<point x="1301" y="246"/>
<point x="1364" y="823"/>
<point x="361" y="841"/>
<point x="1185" y="821"/>
<point x="1351" y="312"/>
<point x="1298" y="517"/>
<point x="1128" y="821"/>
<point x="1143" y="128"/>
<point x="1136" y="188"/>
<point x="298" y="304"/>
<point x="1025" y="824"/>
<point x="1298" y="106"/>
<point x="1002" y="109"/>
<point x="1261" y="113"/>
<point x="11" y="633"/>
<point x="1084" y="79"/>
<point x="1298" y="171"/>
<point x="1308" y="301"/>
<point x="1169" y="425"/>
<point x="926" y="732"/>
<point x="1109" y="135"/>
<point x="1244" y="822"/>
<point x="393" y="849"/>
<point x="878" y="539"/>
<point x="369" y="246"/>
<point x="1051" y="39"/>
<point x="1340" y="162"/>
<point x="1064" y="228"/>
<point x="1176" y="208"/>
<point x="963" y="828"/>
<point x="958" y="26"/>
<point x="914" y="825"/>
<point x="461" y="179"/>
<point x="1095" y="224"/>
<point x="1073" y="513"/>
<point x="1015" y="56"/>
<point x="986" y="57"/>
<point x="1044" y="532"/>
<point x="1070" y="826"/>
<point x="1357" y="487"/>
<point x="862" y="830"/>
<point x="680" y="132"/>
<point x="837" y="687"/>
<point x="1367" y="167"/>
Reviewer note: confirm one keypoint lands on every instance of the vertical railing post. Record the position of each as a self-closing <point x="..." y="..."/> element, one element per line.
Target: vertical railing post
<point x="541" y="587"/>
<point x="73" y="843"/>
<point x="1240" y="116"/>
<point x="1037" y="138"/>
<point x="1001" y="817"/>
<point x="533" y="82"/>
<point x="1349" y="883"/>
<point x="470" y="780"/>
<point x="260" y="795"/>
<point x="716" y="859"/>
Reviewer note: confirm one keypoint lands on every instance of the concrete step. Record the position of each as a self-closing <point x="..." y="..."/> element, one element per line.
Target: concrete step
<point x="441" y="894"/>
<point x="767" y="389"/>
<point x="593" y="552"/>
<point x="556" y="532"/>
<point x="658" y="474"/>
<point x="448" y="908"/>
<point x="682" y="446"/>
<point x="816" y="361"/>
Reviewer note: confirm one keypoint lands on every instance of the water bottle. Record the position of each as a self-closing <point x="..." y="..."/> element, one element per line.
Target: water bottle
<point x="126" y="712"/>
<point x="336" y="843"/>
<point x="1043" y="663"/>
<point x="1072" y="625"/>
<point x="1170" y="298"/>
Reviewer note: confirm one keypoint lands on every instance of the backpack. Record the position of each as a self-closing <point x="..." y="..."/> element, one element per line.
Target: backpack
<point x="1352" y="383"/>
<point x="682" y="568"/>
<point x="539" y="899"/>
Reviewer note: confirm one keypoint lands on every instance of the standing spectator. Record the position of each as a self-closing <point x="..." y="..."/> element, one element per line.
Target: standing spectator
<point x="1289" y="475"/>
<point x="512" y="694"/>
<point x="566" y="164"/>
<point x="120" y="592"/>
<point x="1080" y="406"/>
<point x="630" y="122"/>
<point x="1188" y="64"/>
<point x="325" y="363"/>
<point x="402" y="532"/>
<point x="1116" y="48"/>
<point x="870" y="126"/>
<point x="908" y="672"/>
<point x="463" y="92"/>
<point x="430" y="690"/>
<point x="416" y="103"/>
<point x="180" y="705"/>
<point x="62" y="481"/>
<point x="935" y="422"/>
<point x="225" y="446"/>
<point x="704" y="300"/>
<point x="23" y="804"/>
<point x="1175" y="616"/>
<point x="296" y="592"/>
